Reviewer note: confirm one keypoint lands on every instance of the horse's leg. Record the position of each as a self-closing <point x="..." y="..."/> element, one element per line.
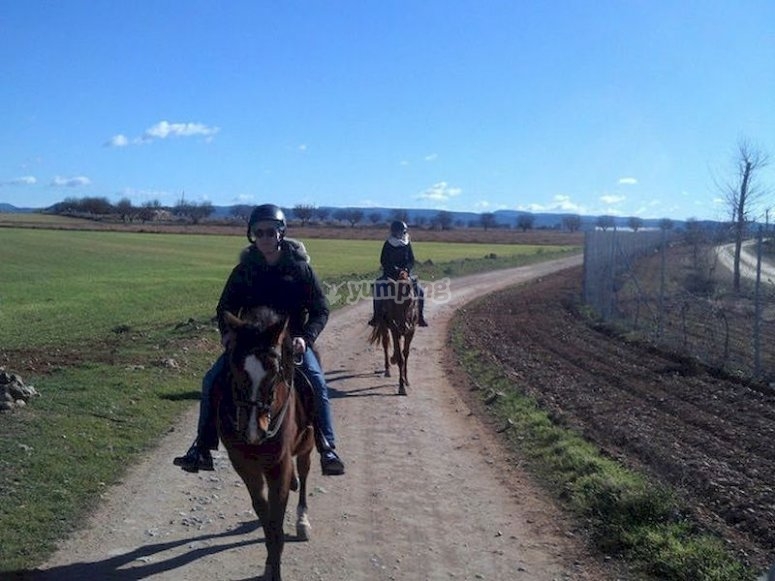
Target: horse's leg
<point x="279" y="482"/>
<point x="385" y="349"/>
<point x="407" y="344"/>
<point x="398" y="358"/>
<point x="254" y="481"/>
<point x="303" y="463"/>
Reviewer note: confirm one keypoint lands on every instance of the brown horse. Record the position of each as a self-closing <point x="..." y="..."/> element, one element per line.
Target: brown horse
<point x="396" y="320"/>
<point x="264" y="422"/>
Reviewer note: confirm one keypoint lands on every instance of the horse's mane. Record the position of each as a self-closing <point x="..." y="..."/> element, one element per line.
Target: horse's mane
<point x="260" y="317"/>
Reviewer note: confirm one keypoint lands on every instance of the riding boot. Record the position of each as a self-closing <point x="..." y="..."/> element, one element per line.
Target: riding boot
<point x="421" y="309"/>
<point x="198" y="457"/>
<point x="330" y="463"/>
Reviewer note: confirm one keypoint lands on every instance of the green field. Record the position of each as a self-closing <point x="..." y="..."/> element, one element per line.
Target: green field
<point x="90" y="318"/>
<point x="73" y="286"/>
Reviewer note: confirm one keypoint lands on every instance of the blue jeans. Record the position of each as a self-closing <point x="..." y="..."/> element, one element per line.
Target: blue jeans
<point x="310" y="366"/>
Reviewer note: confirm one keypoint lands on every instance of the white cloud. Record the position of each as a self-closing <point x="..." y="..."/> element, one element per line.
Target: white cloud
<point x="628" y="181"/>
<point x="165" y="129"/>
<point x="20" y="181"/>
<point x="612" y="199"/>
<point x="244" y="198"/>
<point x="146" y="195"/>
<point x="303" y="147"/>
<point x="439" y="192"/>
<point x="403" y="162"/>
<point x="481" y="205"/>
<point x="559" y="203"/>
<point x="117" y="141"/>
<point x="432" y="157"/>
<point x="74" y="182"/>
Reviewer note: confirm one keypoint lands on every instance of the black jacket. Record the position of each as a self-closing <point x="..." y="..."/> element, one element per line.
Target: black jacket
<point x="290" y="287"/>
<point x="396" y="258"/>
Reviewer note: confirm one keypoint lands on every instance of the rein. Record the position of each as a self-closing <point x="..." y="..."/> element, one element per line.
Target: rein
<point x="276" y="422"/>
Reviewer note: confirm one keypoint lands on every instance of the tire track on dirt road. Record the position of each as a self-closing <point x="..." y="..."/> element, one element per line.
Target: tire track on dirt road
<point x="427" y="494"/>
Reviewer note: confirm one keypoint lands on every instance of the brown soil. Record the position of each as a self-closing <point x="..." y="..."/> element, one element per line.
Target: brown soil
<point x="475" y="235"/>
<point x="708" y="436"/>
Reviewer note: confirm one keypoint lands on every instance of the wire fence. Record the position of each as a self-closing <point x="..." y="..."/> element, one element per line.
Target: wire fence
<point x="676" y="290"/>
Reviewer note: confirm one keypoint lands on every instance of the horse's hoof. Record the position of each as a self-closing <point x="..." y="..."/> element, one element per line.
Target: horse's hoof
<point x="402" y="390"/>
<point x="303" y="531"/>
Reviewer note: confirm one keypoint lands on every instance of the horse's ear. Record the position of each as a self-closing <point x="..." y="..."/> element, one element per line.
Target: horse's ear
<point x="232" y="322"/>
<point x="279" y="330"/>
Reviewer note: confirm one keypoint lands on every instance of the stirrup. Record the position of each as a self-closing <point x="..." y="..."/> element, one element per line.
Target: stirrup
<point x="331" y="464"/>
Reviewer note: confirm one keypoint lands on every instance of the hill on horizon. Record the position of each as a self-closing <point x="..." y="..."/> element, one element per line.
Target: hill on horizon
<point x="503" y="218"/>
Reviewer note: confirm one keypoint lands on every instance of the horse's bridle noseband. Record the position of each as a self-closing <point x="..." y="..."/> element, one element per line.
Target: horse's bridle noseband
<point x="275" y="423"/>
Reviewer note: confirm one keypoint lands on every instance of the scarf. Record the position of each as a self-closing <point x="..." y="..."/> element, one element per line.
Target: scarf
<point x="396" y="242"/>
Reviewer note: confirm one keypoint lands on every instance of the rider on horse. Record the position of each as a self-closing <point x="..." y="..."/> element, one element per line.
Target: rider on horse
<point x="273" y="272"/>
<point x="397" y="256"/>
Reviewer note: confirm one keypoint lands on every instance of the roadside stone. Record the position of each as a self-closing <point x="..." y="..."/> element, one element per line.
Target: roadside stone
<point x="13" y="391"/>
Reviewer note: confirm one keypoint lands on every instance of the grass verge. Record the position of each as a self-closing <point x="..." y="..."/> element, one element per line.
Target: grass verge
<point x="626" y="514"/>
<point x="99" y="413"/>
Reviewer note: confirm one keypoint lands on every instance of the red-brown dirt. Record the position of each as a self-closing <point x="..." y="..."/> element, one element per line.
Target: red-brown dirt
<point x="708" y="437"/>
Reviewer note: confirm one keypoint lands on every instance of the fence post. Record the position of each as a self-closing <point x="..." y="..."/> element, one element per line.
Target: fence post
<point x="662" y="268"/>
<point x="612" y="282"/>
<point x="757" y="361"/>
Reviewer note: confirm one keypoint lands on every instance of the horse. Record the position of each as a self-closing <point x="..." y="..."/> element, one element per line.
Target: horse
<point x="264" y="421"/>
<point x="396" y="320"/>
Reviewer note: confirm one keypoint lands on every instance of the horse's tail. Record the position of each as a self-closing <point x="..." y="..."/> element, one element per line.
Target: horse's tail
<point x="378" y="332"/>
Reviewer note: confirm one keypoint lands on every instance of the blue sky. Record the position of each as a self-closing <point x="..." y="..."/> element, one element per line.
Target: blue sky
<point x="624" y="107"/>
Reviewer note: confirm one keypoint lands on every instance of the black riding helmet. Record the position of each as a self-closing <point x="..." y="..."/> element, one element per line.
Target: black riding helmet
<point x="398" y="228"/>
<point x="266" y="213"/>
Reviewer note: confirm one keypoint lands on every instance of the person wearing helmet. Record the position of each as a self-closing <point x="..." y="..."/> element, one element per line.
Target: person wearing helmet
<point x="273" y="271"/>
<point x="397" y="255"/>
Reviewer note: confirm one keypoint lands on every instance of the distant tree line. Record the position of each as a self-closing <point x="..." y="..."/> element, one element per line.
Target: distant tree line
<point x="306" y="214"/>
<point x="125" y="211"/>
<point x="195" y="213"/>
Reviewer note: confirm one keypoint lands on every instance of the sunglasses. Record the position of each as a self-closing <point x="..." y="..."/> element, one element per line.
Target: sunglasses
<point x="268" y="232"/>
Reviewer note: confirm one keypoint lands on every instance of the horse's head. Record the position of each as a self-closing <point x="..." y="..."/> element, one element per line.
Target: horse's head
<point x="258" y="348"/>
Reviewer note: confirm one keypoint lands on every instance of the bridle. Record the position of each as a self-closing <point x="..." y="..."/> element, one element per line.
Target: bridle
<point x="261" y="407"/>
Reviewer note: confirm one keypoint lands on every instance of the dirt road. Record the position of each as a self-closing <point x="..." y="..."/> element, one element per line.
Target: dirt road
<point x="426" y="495"/>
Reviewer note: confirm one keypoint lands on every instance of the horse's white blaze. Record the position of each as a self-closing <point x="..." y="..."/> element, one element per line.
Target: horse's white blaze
<point x="256" y="372"/>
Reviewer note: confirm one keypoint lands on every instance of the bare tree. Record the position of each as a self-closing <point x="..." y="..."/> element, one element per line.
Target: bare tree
<point x="304" y="212"/>
<point x="572" y="223"/>
<point x="322" y="214"/>
<point x="149" y="210"/>
<point x="487" y="220"/>
<point x="635" y="223"/>
<point x="353" y="216"/>
<point x="742" y="192"/>
<point x="605" y="222"/>
<point x="525" y="222"/>
<point x="125" y="209"/>
<point x="242" y="212"/>
<point x="442" y="220"/>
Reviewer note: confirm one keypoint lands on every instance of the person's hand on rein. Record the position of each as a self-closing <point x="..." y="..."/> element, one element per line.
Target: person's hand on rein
<point x="299" y="345"/>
